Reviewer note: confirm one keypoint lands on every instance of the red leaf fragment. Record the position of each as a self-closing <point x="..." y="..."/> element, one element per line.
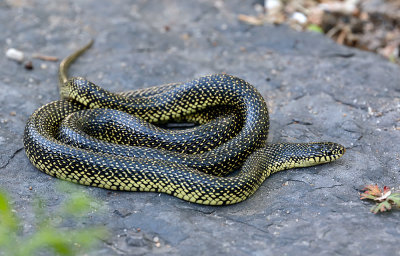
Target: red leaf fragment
<point x="373" y="190"/>
<point x="386" y="199"/>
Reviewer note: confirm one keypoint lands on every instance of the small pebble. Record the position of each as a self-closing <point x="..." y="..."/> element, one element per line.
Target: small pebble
<point x="272" y="4"/>
<point x="13" y="113"/>
<point x="219" y="4"/>
<point x="43" y="66"/>
<point x="370" y="112"/>
<point x="156" y="239"/>
<point x="28" y="65"/>
<point x="15" y="54"/>
<point x="185" y="36"/>
<point x="299" y="17"/>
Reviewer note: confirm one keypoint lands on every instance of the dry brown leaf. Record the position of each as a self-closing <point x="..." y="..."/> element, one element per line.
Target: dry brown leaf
<point x="251" y="20"/>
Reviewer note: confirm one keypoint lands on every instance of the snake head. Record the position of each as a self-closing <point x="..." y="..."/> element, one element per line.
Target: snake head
<point x="64" y="91"/>
<point x="83" y="91"/>
<point x="283" y="156"/>
<point x="322" y="152"/>
<point x="67" y="88"/>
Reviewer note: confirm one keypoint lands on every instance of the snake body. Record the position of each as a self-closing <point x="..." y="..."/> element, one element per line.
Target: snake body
<point x="114" y="140"/>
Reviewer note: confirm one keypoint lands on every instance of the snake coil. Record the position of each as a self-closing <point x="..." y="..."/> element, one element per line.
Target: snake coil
<point x="117" y="141"/>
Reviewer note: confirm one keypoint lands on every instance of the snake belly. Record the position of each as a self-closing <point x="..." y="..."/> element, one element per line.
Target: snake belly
<point x="113" y="140"/>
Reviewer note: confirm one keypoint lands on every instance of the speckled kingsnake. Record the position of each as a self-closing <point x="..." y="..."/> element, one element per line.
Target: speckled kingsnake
<point x="97" y="138"/>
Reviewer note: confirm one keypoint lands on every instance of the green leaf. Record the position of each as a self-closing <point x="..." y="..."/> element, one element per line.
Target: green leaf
<point x="49" y="236"/>
<point x="8" y="226"/>
<point x="3" y="203"/>
<point x="315" y="28"/>
<point x="78" y="203"/>
<point x="382" y="207"/>
<point x="7" y="218"/>
<point x="395" y="198"/>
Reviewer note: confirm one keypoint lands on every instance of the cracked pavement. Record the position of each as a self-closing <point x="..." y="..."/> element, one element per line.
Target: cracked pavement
<point x="316" y="91"/>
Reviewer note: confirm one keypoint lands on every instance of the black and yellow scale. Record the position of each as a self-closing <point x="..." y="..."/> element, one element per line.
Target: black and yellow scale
<point x="117" y="141"/>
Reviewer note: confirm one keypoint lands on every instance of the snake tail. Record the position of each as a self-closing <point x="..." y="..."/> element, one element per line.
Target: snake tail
<point x="66" y="63"/>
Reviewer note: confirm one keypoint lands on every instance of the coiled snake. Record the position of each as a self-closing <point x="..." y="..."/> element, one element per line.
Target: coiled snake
<point x="117" y="141"/>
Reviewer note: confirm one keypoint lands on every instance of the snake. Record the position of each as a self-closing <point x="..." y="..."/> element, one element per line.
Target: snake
<point x="216" y="154"/>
